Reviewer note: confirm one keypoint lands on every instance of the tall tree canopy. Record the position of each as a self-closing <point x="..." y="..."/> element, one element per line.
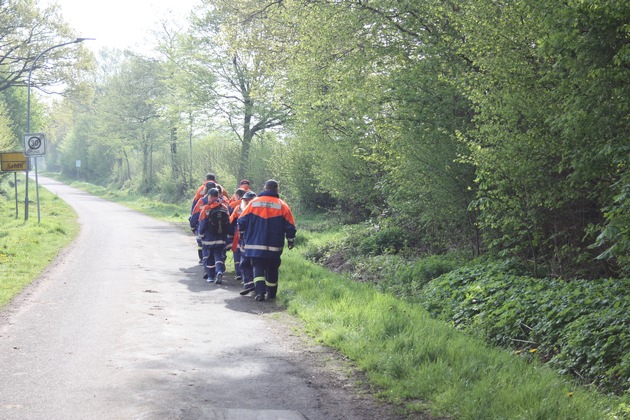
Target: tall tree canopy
<point x="242" y="89"/>
<point x="26" y="30"/>
<point x="492" y="127"/>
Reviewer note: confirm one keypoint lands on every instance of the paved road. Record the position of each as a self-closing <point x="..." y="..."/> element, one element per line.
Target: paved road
<point x="122" y="326"/>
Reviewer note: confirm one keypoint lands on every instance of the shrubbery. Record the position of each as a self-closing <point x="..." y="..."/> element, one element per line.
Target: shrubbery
<point x="580" y="327"/>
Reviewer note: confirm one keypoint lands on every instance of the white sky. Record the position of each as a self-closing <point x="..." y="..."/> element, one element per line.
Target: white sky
<point x="121" y="23"/>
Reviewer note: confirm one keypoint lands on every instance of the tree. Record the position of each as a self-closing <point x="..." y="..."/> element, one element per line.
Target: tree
<point x="240" y="85"/>
<point x="7" y="140"/>
<point x="546" y="83"/>
<point x="27" y="29"/>
<point x="179" y="109"/>
<point x="132" y="121"/>
<point x="372" y="101"/>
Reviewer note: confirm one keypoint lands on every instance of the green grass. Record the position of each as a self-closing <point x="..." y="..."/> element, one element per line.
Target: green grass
<point x="422" y="363"/>
<point x="28" y="247"/>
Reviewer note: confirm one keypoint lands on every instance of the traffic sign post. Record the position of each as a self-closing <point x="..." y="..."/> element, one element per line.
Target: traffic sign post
<point x="35" y="144"/>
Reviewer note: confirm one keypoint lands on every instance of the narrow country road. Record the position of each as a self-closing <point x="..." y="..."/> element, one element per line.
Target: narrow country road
<point x="122" y="326"/>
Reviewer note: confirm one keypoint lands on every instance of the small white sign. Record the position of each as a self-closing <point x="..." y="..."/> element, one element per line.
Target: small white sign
<point x="78" y="163"/>
<point x="34" y="144"/>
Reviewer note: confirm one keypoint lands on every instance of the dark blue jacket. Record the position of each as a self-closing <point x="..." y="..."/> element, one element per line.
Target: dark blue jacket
<point x="265" y="223"/>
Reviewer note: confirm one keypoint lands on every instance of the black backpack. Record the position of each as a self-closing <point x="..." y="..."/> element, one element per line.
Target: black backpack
<point x="219" y="221"/>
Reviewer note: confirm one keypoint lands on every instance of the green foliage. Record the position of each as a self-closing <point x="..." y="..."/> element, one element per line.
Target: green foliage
<point x="388" y="240"/>
<point x="14" y="101"/>
<point x="243" y="88"/>
<point x="296" y="164"/>
<point x="596" y="347"/>
<point x="407" y="280"/>
<point x="26" y="29"/>
<point x="579" y="326"/>
<point x="7" y="140"/>
<point x="551" y="125"/>
<point x="483" y="127"/>
<point x="615" y="236"/>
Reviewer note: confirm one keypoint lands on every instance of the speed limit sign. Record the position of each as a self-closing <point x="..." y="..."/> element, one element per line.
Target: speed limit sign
<point x="34" y="144"/>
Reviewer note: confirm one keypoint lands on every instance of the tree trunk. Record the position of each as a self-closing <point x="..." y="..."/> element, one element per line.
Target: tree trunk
<point x="248" y="134"/>
<point x="128" y="165"/>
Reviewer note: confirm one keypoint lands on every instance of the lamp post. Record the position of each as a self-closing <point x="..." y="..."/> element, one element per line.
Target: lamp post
<point x="28" y="122"/>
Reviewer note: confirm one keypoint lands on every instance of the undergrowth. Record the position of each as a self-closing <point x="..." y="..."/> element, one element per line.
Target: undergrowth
<point x="578" y="327"/>
<point x="423" y="363"/>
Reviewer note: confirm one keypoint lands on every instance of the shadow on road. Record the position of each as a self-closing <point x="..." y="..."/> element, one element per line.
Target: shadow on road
<point x="194" y="281"/>
<point x="247" y="304"/>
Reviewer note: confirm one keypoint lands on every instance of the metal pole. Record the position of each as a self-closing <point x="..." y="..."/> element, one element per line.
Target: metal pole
<point x="37" y="190"/>
<point x="28" y="120"/>
<point x="26" y="194"/>
<point x="16" y="194"/>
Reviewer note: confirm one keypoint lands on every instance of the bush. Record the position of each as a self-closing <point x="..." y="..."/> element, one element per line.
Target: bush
<point x="388" y="240"/>
<point x="406" y="279"/>
<point x="597" y="346"/>
<point x="579" y="326"/>
<point x="367" y="239"/>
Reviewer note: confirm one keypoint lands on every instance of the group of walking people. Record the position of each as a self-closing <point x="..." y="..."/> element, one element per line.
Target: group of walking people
<point x="252" y="226"/>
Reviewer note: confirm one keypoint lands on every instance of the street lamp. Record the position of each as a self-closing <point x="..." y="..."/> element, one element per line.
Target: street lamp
<point x="28" y="120"/>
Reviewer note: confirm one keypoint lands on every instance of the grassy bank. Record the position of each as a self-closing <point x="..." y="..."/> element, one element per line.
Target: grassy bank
<point x="28" y="247"/>
<point x="423" y="363"/>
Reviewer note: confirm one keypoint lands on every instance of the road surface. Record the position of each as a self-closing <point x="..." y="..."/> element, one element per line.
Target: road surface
<point x="122" y="326"/>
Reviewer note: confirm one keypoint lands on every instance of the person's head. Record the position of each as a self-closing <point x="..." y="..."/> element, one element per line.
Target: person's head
<point x="244" y="184"/>
<point x="271" y="185"/>
<point x="249" y="196"/>
<point x="213" y="192"/>
<point x="239" y="192"/>
<point x="210" y="176"/>
<point x="209" y="185"/>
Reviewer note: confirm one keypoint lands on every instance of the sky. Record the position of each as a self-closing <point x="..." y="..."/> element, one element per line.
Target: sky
<point x="121" y="23"/>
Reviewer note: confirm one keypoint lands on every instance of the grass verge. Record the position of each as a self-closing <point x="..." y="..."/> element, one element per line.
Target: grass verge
<point x="28" y="247"/>
<point x="423" y="363"/>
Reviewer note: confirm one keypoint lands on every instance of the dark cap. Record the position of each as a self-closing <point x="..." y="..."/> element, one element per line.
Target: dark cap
<point x="244" y="182"/>
<point x="210" y="176"/>
<point x="271" y="185"/>
<point x="213" y="192"/>
<point x="210" y="185"/>
<point x="249" y="195"/>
